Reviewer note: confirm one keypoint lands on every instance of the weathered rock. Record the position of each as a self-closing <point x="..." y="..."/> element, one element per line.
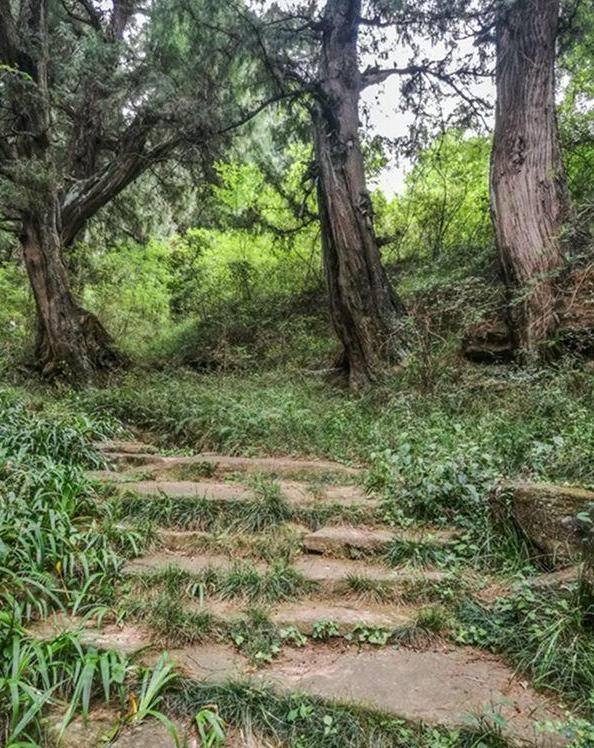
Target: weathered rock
<point x="445" y="686"/>
<point x="488" y="342"/>
<point x="126" y="447"/>
<point x="339" y="540"/>
<point x="304" y="616"/>
<point x="546" y="515"/>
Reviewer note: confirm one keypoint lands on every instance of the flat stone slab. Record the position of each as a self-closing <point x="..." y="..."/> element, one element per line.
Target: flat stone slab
<point x="188" y="490"/>
<point x="193" y="564"/>
<point x="304" y="616"/>
<point x="337" y="539"/>
<point x="329" y="571"/>
<point x="441" y="686"/>
<point x="241" y="544"/>
<point x="125" y="446"/>
<point x="281" y="466"/>
<point x="299" y="493"/>
<point x="347" y="540"/>
<point x="295" y="494"/>
<point x="125" y="639"/>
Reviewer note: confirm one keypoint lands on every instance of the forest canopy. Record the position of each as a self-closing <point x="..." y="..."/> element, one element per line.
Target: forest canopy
<point x="175" y="175"/>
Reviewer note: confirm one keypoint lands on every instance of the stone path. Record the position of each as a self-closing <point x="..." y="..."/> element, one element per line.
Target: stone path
<point x="334" y="541"/>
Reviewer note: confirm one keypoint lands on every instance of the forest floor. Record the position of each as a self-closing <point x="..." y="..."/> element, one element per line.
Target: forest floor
<point x="329" y="576"/>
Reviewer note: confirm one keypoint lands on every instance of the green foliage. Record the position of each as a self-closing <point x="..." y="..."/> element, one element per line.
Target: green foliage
<point x="307" y="722"/>
<point x="445" y="205"/>
<point x="576" y="113"/>
<point x="129" y="290"/>
<point x="44" y="673"/>
<point x="256" y="637"/>
<point x="210" y="727"/>
<point x="15" y="315"/>
<point x="547" y="635"/>
<point x="434" y="456"/>
<point x="324" y="630"/>
<point x="57" y="553"/>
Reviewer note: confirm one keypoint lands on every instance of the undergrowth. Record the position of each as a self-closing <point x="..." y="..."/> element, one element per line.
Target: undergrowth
<point x="60" y="551"/>
<point x="547" y="635"/>
<point x="306" y="722"/>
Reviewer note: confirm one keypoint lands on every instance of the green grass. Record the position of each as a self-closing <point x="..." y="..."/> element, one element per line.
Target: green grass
<point x="305" y="722"/>
<point x="419" y="553"/>
<point x="515" y="418"/>
<point x="171" y="624"/>
<point x="546" y="635"/>
<point x="279" y="582"/>
<point x="367" y="588"/>
<point x="433" y="457"/>
<point x="279" y="543"/>
<point x="241" y="582"/>
<point x="257" y="515"/>
<point x="60" y="550"/>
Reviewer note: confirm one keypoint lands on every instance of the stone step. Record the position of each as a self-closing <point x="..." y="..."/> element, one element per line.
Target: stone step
<point x="307" y="615"/>
<point x="329" y="574"/>
<point x="212" y="464"/>
<point x="312" y="615"/>
<point x="342" y="540"/>
<point x="123" y="446"/>
<point x="282" y="540"/>
<point x="438" y="685"/>
<point x="188" y="490"/>
<point x="294" y="493"/>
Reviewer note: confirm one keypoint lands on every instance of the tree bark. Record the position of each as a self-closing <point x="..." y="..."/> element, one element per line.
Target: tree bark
<point x="71" y="343"/>
<point x="529" y="196"/>
<point x="366" y="314"/>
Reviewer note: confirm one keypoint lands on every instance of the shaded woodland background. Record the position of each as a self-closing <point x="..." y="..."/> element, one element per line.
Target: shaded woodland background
<point x="161" y="163"/>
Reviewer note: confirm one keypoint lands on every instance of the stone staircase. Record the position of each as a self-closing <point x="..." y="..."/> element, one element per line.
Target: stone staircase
<point x="233" y="530"/>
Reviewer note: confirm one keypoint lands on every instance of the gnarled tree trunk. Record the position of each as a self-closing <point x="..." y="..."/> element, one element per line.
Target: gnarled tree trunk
<point x="365" y="311"/>
<point x="529" y="196"/>
<point x="70" y="342"/>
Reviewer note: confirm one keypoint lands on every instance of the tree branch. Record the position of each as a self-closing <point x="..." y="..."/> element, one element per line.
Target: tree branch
<point x="375" y="76"/>
<point x="87" y="197"/>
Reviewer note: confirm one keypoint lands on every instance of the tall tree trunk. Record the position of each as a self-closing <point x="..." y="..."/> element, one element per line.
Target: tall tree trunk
<point x="365" y="311"/>
<point x="529" y="197"/>
<point x="71" y="342"/>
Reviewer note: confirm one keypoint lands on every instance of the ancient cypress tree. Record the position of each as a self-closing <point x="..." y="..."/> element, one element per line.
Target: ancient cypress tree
<point x="312" y="52"/>
<point x="529" y="193"/>
<point x="94" y="95"/>
<point x="366" y="313"/>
